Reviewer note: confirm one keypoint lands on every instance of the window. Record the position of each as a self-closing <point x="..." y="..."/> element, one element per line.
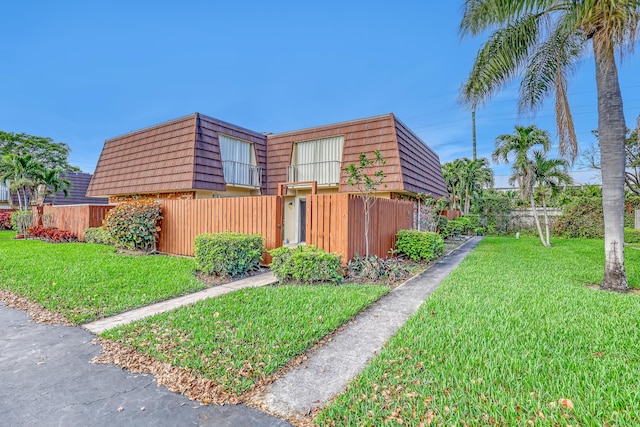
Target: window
<point x="317" y="160"/>
<point x="239" y="162"/>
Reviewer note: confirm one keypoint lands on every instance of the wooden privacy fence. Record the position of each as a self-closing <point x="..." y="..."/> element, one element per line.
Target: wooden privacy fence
<point x="74" y="218"/>
<point x="335" y="223"/>
<point x="185" y="219"/>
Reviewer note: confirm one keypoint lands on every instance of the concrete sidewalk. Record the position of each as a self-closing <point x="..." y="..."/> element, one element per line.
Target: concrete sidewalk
<point x="329" y="368"/>
<point x="102" y="325"/>
<point x="47" y="380"/>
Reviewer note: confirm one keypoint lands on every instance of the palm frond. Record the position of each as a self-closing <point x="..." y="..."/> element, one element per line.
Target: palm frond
<point x="482" y="15"/>
<point x="501" y="58"/>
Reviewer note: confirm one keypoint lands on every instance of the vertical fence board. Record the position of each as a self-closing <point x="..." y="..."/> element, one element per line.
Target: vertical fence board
<point x="185" y="219"/>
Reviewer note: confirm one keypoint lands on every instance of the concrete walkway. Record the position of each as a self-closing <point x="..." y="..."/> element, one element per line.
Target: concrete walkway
<point x="329" y="368"/>
<point x="102" y="325"/>
<point x="47" y="379"/>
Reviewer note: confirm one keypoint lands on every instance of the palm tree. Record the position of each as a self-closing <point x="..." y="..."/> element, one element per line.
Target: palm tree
<point x="477" y="174"/>
<point x="452" y="172"/>
<point x="548" y="177"/>
<point x="518" y="145"/>
<point x="545" y="39"/>
<point x="22" y="173"/>
<point x="53" y="183"/>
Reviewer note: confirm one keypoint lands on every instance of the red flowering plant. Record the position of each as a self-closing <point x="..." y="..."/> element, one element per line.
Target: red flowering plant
<point x="51" y="234"/>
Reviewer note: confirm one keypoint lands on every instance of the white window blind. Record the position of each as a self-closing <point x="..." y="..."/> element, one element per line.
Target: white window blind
<point x="238" y="162"/>
<point x="234" y="150"/>
<point x="319" y="160"/>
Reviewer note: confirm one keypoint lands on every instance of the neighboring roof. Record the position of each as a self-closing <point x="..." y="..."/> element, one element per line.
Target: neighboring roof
<point x="178" y="155"/>
<point x="410" y="166"/>
<point x="77" y="194"/>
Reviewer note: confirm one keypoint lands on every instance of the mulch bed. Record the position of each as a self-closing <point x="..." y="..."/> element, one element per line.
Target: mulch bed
<point x="38" y="313"/>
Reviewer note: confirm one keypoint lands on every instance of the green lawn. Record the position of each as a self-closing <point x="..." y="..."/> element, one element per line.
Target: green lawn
<point x="238" y="338"/>
<point x="509" y="335"/>
<point x="86" y="281"/>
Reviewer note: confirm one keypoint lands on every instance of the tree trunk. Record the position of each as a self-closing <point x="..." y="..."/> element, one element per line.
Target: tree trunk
<point x="367" y="208"/>
<point x="19" y="199"/>
<point x="612" y="135"/>
<point x="467" y="202"/>
<point x="537" y="220"/>
<point x="546" y="220"/>
<point x="25" y="199"/>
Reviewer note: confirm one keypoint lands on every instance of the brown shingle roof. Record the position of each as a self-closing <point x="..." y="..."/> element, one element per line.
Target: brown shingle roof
<point x="178" y="155"/>
<point x="184" y="155"/>
<point x="411" y="165"/>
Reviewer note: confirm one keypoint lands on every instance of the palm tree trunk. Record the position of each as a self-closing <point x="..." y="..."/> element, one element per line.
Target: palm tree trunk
<point x="19" y="199"/>
<point x="537" y="220"/>
<point x="612" y="135"/>
<point x="466" y="202"/>
<point x="546" y="219"/>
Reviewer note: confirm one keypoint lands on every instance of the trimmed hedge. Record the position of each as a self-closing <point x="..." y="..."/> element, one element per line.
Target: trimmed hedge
<point x="306" y="264"/>
<point x="97" y="235"/>
<point x="631" y="235"/>
<point x="420" y="245"/>
<point x="228" y="254"/>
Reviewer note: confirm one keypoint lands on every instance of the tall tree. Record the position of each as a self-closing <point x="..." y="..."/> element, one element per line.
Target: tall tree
<point x="453" y="173"/>
<point x="545" y="39"/>
<point x="477" y="175"/>
<point x="519" y="146"/>
<point x="548" y="176"/>
<point x="52" y="155"/>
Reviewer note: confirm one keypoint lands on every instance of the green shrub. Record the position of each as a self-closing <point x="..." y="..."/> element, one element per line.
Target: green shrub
<point x="631" y="235"/>
<point x="21" y="220"/>
<point x="98" y="235"/>
<point x="420" y="245"/>
<point x="134" y="225"/>
<point x="455" y="227"/>
<point x="228" y="254"/>
<point x="474" y="221"/>
<point x="373" y="269"/>
<point x="582" y="218"/>
<point x="306" y="264"/>
<point x="494" y="208"/>
<point x="465" y="224"/>
<point x="443" y="228"/>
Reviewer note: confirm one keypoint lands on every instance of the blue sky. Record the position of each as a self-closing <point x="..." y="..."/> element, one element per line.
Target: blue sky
<point x="83" y="72"/>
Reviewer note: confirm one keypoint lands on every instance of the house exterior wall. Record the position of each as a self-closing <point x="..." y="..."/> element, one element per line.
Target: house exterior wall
<point x="174" y="195"/>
